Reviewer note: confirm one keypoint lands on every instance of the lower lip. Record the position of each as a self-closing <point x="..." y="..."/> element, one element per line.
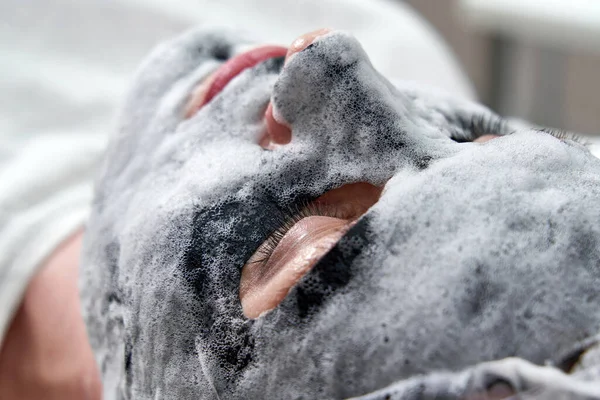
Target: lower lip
<point x="237" y="64"/>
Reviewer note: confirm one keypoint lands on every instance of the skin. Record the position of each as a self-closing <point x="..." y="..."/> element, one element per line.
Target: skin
<point x="46" y="352"/>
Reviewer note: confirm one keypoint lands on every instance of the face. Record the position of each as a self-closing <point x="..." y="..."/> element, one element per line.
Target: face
<point x="353" y="238"/>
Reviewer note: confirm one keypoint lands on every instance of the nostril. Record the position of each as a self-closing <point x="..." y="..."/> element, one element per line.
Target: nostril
<point x="277" y="133"/>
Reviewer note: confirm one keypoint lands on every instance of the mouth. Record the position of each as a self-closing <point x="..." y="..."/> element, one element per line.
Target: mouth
<point x="302" y="240"/>
<point x="217" y="81"/>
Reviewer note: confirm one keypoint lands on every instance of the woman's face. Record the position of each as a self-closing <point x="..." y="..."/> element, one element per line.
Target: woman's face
<point x="312" y="231"/>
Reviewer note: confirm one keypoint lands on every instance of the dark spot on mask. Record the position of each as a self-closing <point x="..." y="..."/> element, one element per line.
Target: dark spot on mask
<point x="221" y="52"/>
<point x="112" y="251"/>
<point x="480" y="291"/>
<point x="584" y="242"/>
<point x="127" y="363"/>
<point x="240" y="355"/>
<point x="333" y="271"/>
<point x="423" y="162"/>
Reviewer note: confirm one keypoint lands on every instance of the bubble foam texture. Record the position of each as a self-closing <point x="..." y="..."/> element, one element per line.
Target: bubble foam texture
<point x="473" y="253"/>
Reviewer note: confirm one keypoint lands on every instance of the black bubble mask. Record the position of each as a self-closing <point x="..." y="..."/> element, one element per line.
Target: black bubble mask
<point x="474" y="252"/>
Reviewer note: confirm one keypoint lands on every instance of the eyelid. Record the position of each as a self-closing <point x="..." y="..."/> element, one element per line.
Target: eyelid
<point x="263" y="287"/>
<point x="294" y="215"/>
<point x="305" y="235"/>
<point x="334" y="204"/>
<point x="471" y="128"/>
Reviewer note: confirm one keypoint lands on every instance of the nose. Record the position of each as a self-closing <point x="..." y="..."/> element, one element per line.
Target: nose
<point x="278" y="132"/>
<point x="303" y="41"/>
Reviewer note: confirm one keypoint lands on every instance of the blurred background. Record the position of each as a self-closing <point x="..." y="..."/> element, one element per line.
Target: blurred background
<point x="535" y="59"/>
<point x="64" y="64"/>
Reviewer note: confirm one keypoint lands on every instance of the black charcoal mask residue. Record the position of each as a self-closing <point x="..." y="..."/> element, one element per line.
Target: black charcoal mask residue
<point x="474" y="252"/>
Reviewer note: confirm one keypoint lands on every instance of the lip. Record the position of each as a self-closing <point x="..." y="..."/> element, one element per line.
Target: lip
<point x="234" y="66"/>
<point x="214" y="84"/>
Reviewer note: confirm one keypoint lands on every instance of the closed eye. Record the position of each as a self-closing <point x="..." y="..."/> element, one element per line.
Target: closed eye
<point x="485" y="127"/>
<point x="478" y="126"/>
<point x="303" y="238"/>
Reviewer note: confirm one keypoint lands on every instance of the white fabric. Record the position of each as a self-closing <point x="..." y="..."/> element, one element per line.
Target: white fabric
<point x="65" y="63"/>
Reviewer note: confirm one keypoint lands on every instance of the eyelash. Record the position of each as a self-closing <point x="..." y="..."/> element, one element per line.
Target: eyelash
<point x="564" y="135"/>
<point x="485" y="124"/>
<point x="288" y="218"/>
<point x="479" y="125"/>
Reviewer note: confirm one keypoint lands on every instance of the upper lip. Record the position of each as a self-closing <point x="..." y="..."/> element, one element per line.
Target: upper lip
<point x="235" y="65"/>
<point x="217" y="81"/>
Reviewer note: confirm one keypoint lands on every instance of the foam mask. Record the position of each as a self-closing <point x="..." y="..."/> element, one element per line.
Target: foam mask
<point x="473" y="253"/>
